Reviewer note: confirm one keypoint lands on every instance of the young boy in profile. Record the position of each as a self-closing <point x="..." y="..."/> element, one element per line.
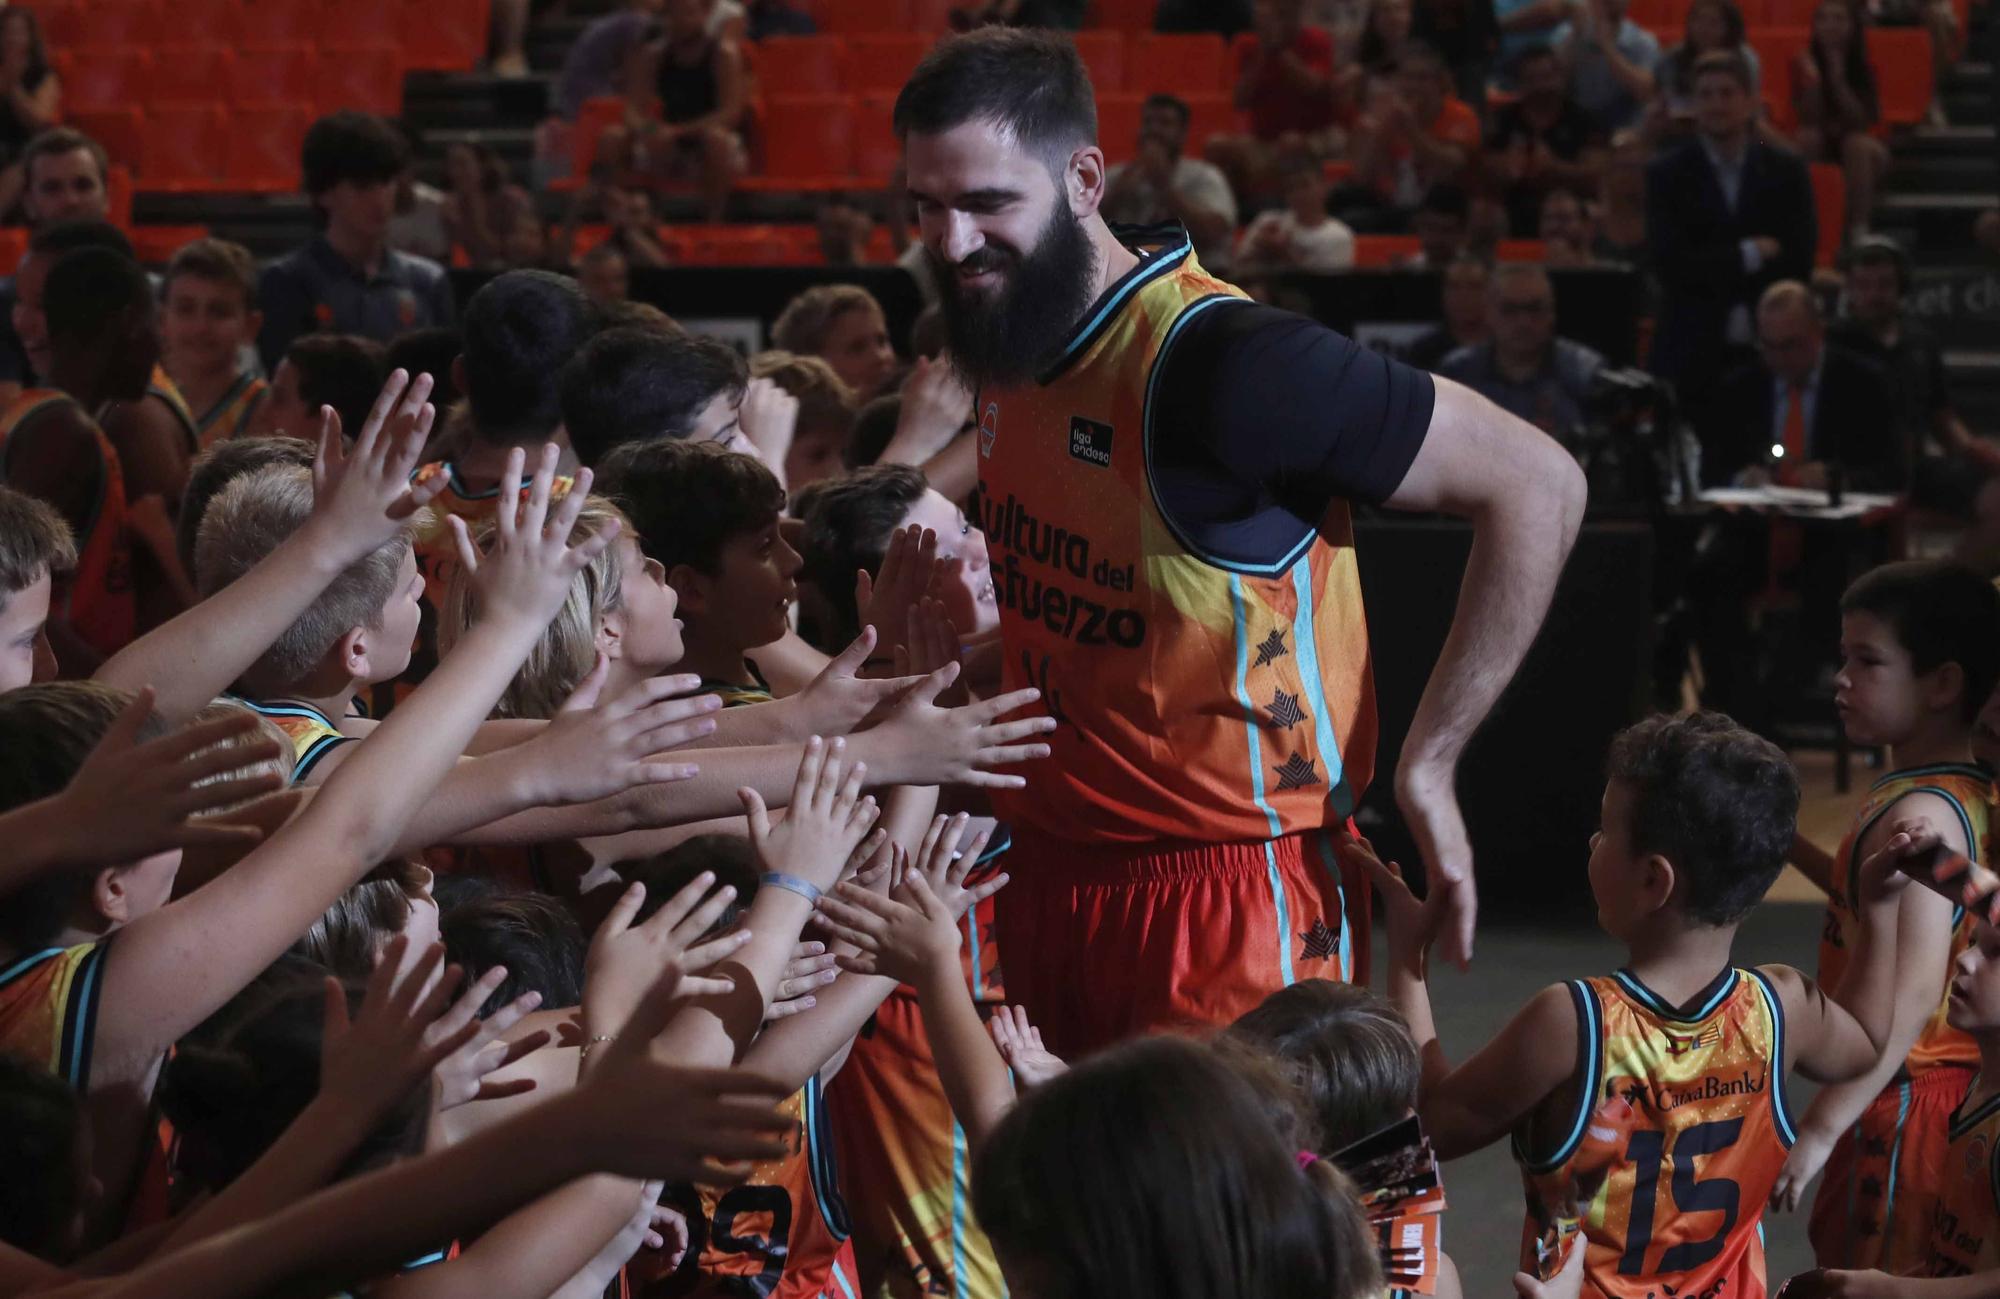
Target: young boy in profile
<point x="1697" y="816"/>
<point x="35" y="548"/>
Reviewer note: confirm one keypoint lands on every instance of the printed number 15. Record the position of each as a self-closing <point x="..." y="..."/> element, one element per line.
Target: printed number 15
<point x="1648" y="1150"/>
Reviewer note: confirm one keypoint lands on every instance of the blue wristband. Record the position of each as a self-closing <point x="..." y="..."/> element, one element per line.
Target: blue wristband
<point x="791" y="883"/>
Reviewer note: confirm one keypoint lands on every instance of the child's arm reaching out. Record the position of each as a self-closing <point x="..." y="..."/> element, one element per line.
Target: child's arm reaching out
<point x="1832" y="1283"/>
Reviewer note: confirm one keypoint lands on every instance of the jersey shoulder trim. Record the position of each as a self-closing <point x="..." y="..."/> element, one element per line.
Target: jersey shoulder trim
<point x="1781" y="1100"/>
<point x="1152" y="265"/>
<point x="1590" y="1079"/>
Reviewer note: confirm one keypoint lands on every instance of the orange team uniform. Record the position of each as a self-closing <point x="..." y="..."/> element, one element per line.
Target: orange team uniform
<point x="1877" y="1194"/>
<point x="230" y="417"/>
<point x="162" y="385"/>
<point x="1209" y="663"/>
<point x="313" y="734"/>
<point x="1679" y="1212"/>
<point x="1965" y="1230"/>
<point x="780" y="1235"/>
<point x="96" y="600"/>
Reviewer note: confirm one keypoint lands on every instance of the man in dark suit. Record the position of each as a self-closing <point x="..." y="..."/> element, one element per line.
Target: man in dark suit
<point x="1728" y="216"/>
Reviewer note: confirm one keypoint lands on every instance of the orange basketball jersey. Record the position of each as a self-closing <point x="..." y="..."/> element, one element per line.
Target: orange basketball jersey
<point x="1965" y="1233"/>
<point x="1710" y="1132"/>
<point x="1970" y="790"/>
<point x="230" y="417"/>
<point x="96" y="600"/>
<point x="162" y="385"/>
<point x="1200" y="701"/>
<point x="48" y="1009"/>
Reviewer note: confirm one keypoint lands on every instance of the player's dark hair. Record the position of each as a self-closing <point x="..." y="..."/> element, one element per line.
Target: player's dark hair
<point x="728" y="856"/>
<point x="351" y="146"/>
<point x="848" y="522"/>
<point x="520" y="329"/>
<point x="61" y="237"/>
<point x="1941" y="613"/>
<point x="1347" y="1051"/>
<point x="633" y="384"/>
<point x="1716" y="800"/>
<point x="89" y="288"/>
<point x="532" y="934"/>
<point x="220" y="465"/>
<point x="40" y="1187"/>
<point x="688" y="499"/>
<point x="1152" y="1168"/>
<point x="1030" y="83"/>
<point x="344" y="371"/>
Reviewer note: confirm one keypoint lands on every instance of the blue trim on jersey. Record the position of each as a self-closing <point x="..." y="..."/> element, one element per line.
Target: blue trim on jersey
<point x="1286" y="976"/>
<point x="1242" y="622"/>
<point x="1896" y="1150"/>
<point x="971" y="922"/>
<point x="1590" y="1045"/>
<point x="822" y="1171"/>
<point x="961" y="1285"/>
<point x="1307" y="649"/>
<point x="431" y="1259"/>
<point x="1961" y="1123"/>
<point x="1331" y="860"/>
<point x="26" y="963"/>
<point x="80" y="1019"/>
<point x="840" y="1279"/>
<point x="459" y="489"/>
<point x="1718" y="992"/>
<point x="1151" y="267"/>
<point x="1964" y="823"/>
<point x="1781" y="1101"/>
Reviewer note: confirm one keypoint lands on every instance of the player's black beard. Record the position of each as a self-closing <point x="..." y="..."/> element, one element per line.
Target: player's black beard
<point x="1006" y="336"/>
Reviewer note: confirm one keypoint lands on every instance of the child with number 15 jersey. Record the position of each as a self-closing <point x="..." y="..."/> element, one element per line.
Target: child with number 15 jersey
<point x="1697" y="816"/>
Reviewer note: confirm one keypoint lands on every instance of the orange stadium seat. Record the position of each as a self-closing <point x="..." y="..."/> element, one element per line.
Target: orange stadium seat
<point x="1829" y="186"/>
<point x="1118" y="125"/>
<point x="733" y="245"/>
<point x="203" y="20"/>
<point x="1776" y="47"/>
<point x="1124" y="15"/>
<point x="109" y="23"/>
<point x="802" y="65"/>
<point x="278" y="20"/>
<point x="118" y="195"/>
<point x="272" y="73"/>
<point x="854" y="17"/>
<point x="1182" y="64"/>
<point x="444" y="35"/>
<point x="1902" y="59"/>
<point x="884" y="61"/>
<point x="364" y="76"/>
<point x="933" y="16"/>
<point x="119" y="130"/>
<point x="349" y="22"/>
<point x="263" y="151"/>
<point x="61" y="20"/>
<point x="877" y="151"/>
<point x="186" y="74"/>
<point x="809" y="141"/>
<point x="1104" y="54"/>
<point x="184" y="146"/>
<point x="599" y="114"/>
<point x="105" y="78"/>
<point x="1208" y="115"/>
<point x="13" y="245"/>
<point x="1381" y="251"/>
<point x="1521" y="250"/>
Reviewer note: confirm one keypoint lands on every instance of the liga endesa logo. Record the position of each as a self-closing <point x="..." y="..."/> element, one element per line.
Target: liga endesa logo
<point x="989" y="429"/>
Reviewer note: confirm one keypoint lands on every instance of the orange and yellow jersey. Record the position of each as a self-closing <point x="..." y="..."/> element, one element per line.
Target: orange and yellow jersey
<point x="736" y="695"/>
<point x="48" y="1009"/>
<point x="1709" y="1136"/>
<point x="230" y="416"/>
<point x="1969" y="790"/>
<point x="313" y="734"/>
<point x="783" y="1234"/>
<point x="1196" y="628"/>
<point x="1965" y="1231"/>
<point x="96" y="600"/>
<point x="162" y="386"/>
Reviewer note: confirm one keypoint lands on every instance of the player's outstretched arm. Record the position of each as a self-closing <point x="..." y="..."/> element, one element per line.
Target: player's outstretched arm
<point x="1524" y="496"/>
<point x="1834" y="1283"/>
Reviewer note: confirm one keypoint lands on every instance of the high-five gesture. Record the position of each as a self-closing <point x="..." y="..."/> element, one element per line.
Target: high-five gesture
<point x="360" y="494"/>
<point x="526" y="574"/>
<point x="826" y="822"/>
<point x="922" y="742"/>
<point x="625" y="961"/>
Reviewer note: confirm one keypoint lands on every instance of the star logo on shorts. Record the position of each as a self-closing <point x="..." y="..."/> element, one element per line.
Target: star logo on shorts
<point x="1871" y="1187"/>
<point x="1285" y="710"/>
<point x="1321" y="943"/>
<point x="1271" y="649"/>
<point x="1297" y="772"/>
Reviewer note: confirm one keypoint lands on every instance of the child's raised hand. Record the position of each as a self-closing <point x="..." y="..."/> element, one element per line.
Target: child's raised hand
<point x="827" y="819"/>
<point x="461" y="1077"/>
<point x="361" y="494"/>
<point x="925" y="743"/>
<point x="526" y="577"/>
<point x="1020" y="1045"/>
<point x="906" y="938"/>
<point x="1882" y="876"/>
<point x="625" y="962"/>
<point x="873" y="862"/>
<point x="903" y="577"/>
<point x="944" y="865"/>
<point x="1802" y="1163"/>
<point x="1402" y="911"/>
<point x="929" y="644"/>
<point x="594" y="752"/>
<point x="839" y="700"/>
<point x="372" y="1060"/>
<point x="812" y="967"/>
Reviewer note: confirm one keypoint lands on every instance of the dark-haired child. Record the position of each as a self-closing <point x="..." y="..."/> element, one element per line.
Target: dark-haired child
<point x="1920" y="643"/>
<point x="1697" y="816"/>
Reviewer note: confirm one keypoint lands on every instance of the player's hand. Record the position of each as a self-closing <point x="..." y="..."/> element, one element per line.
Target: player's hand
<point x="361" y="494"/>
<point x="930" y="643"/>
<point x="770" y="417"/>
<point x="1403" y="915"/>
<point x="936" y="405"/>
<point x="839" y="701"/>
<point x="1427" y="794"/>
<point x="372" y="1060"/>
<point x="526" y="576"/>
<point x="586" y="754"/>
<point x="465" y="1075"/>
<point x="884" y="601"/>
<point x="130" y="800"/>
<point x="1807" y="1157"/>
<point x="1566" y="1284"/>
<point x="812" y="967"/>
<point x="827" y="819"/>
<point x="920" y="742"/>
<point x="1882" y="878"/>
<point x="625" y="963"/>
<point x="944" y="864"/>
<point x="906" y="937"/>
<point x="1020" y="1045"/>
<point x="1834" y="1283"/>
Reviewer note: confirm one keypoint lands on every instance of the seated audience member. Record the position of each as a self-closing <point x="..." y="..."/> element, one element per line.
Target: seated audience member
<point x="843" y="229"/>
<point x="605" y="274"/>
<point x="1620" y="234"/>
<point x="1808" y="413"/>
<point x="638" y="385"/>
<point x="1467" y="317"/>
<point x="336" y="370"/>
<point x="598" y="62"/>
<point x="1385" y="38"/>
<point x="210" y="318"/>
<point x="1412" y="136"/>
<point x="418" y="224"/>
<point x="843" y="325"/>
<point x="483" y="207"/>
<point x="1565" y="227"/>
<point x="37" y="558"/>
<point x="30" y="96"/>
<point x="825" y="416"/>
<point x="1712" y="26"/>
<point x="1834" y="95"/>
<point x="1286" y="87"/>
<point x="702" y="87"/>
<point x="635" y="232"/>
<point x="65" y="177"/>
<point x="1542" y="140"/>
<point x="1463" y="32"/>
<point x="1162" y="183"/>
<point x="1299" y="236"/>
<point x="347" y="280"/>
<point x="1443" y="227"/>
<point x="1948" y="459"/>
<point x="1525" y="368"/>
<point x="1525" y="26"/>
<point x="1610" y="60"/>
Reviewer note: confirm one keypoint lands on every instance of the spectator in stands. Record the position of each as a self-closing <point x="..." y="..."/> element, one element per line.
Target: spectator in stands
<point x="210" y="321"/>
<point x="30" y="96"/>
<point x="1466" y="319"/>
<point x="1833" y="91"/>
<point x="482" y="205"/>
<point x="1566" y="229"/>
<point x="605" y="275"/>
<point x="825" y="419"/>
<point x="1415" y="134"/>
<point x="1876" y="328"/>
<point x="1443" y="227"/>
<point x="634" y="231"/>
<point x="1523" y="367"/>
<point x="1464" y="33"/>
<point x="844" y="230"/>
<point x="510" y="38"/>
<point x="1712" y="25"/>
<point x="1299" y="236"/>
<point x="337" y="370"/>
<point x="1728" y="215"/>
<point x="599" y="61"/>
<point x="347" y="279"/>
<point x="1542" y="141"/>
<point x="1066" y="14"/>
<point x="1610" y="60"/>
<point x="843" y="325"/>
<point x="1525" y="25"/>
<point x="702" y="87"/>
<point x="1384" y="37"/>
<point x="1162" y="183"/>
<point x="1621" y="202"/>
<point x="1940" y="19"/>
<point x="418" y="226"/>
<point x="768" y="18"/>
<point x="1286" y="85"/>
<point x="65" y="177"/>
<point x="1224" y="17"/>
